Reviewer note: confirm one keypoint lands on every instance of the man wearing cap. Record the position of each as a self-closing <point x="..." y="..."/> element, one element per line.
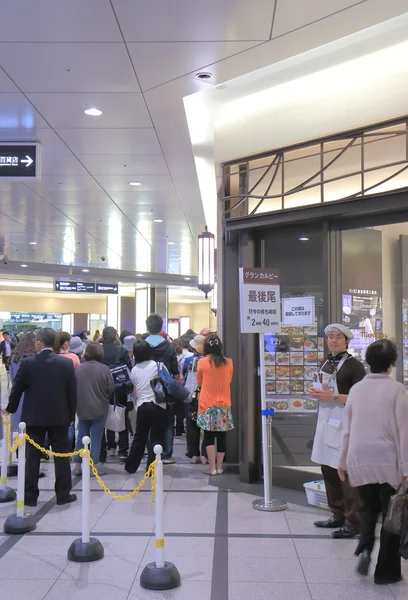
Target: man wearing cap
<point x="333" y="382"/>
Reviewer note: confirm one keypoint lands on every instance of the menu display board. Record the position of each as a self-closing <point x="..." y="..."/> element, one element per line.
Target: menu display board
<point x="291" y="358"/>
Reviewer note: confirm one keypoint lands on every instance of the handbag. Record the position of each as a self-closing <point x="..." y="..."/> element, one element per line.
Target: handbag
<point x="394" y="520"/>
<point x="193" y="407"/>
<point x="116" y="418"/>
<point x="191" y="379"/>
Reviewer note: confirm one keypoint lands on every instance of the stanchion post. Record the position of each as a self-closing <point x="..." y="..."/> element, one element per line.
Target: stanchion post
<point x="7" y="494"/>
<point x="86" y="548"/>
<point x="20" y="522"/>
<point x="160" y="575"/>
<point x="268" y="504"/>
<point x="11" y="467"/>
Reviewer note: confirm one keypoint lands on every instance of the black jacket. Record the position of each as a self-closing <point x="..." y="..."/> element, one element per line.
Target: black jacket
<point x="50" y="393"/>
<point x="3" y="349"/>
<point x="166" y="354"/>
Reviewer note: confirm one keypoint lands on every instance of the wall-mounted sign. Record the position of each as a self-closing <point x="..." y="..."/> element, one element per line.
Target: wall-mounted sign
<point x="259" y="300"/>
<point x="86" y="288"/>
<point x="34" y="317"/>
<point x="298" y="312"/>
<point x="19" y="161"/>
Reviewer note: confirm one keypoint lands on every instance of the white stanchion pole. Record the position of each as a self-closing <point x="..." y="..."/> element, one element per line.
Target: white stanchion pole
<point x="86" y="493"/>
<point x="7" y="494"/>
<point x="268" y="504"/>
<point x="160" y="575"/>
<point x="12" y="468"/>
<point x="159" y="509"/>
<point x="20" y="522"/>
<point x="86" y="548"/>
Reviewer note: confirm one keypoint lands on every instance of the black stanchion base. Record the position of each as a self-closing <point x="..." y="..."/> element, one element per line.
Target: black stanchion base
<point x="155" y="578"/>
<point x="80" y="552"/>
<point x="7" y="494"/>
<point x="17" y="525"/>
<point x="12" y="470"/>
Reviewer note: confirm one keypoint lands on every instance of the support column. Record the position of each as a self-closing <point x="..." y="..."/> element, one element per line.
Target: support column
<point x="113" y="311"/>
<point x="142" y="304"/>
<point x="161" y="304"/>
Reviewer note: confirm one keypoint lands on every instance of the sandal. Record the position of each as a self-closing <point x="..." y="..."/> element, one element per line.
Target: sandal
<point x="210" y="472"/>
<point x="220" y="471"/>
<point x="204" y="461"/>
<point x="195" y="460"/>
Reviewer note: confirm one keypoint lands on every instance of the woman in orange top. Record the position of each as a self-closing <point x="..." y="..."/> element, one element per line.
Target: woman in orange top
<point x="214" y="374"/>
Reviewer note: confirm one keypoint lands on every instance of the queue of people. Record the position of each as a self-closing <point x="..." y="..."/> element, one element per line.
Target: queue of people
<point x="58" y="380"/>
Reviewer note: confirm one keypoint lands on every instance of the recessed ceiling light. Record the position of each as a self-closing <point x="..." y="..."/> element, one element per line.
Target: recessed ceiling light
<point x="85" y="270"/>
<point x="187" y="278"/>
<point x="135" y="183"/>
<point x="24" y="266"/>
<point x="204" y="75"/>
<point x="139" y="275"/>
<point x="33" y="243"/>
<point x="157" y="220"/>
<point x="93" y="112"/>
<point x="303" y="239"/>
<point x="171" y="243"/>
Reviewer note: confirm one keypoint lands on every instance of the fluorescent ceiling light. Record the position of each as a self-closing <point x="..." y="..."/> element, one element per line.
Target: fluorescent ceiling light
<point x="303" y="239"/>
<point x="26" y="284"/>
<point x="139" y="275"/>
<point x="85" y="270"/>
<point x="187" y="278"/>
<point x="93" y="112"/>
<point x="157" y="220"/>
<point x="135" y="183"/>
<point x="33" y="243"/>
<point x="24" y="266"/>
<point x="171" y="243"/>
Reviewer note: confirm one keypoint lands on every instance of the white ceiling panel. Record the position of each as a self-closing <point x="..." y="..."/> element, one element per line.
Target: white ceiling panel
<point x="122" y="164"/>
<point x="194" y="20"/>
<point x="111" y="141"/>
<point x="292" y="14"/>
<point x="58" y="21"/>
<point x="157" y="63"/>
<point x="6" y="85"/>
<point x="165" y="199"/>
<point x="67" y="183"/>
<point x="67" y="110"/>
<point x="150" y="183"/>
<point x="78" y="67"/>
<point x="89" y="198"/>
<point x="16" y="112"/>
<point x="57" y="164"/>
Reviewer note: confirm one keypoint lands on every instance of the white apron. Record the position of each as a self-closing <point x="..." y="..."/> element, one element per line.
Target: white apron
<point x="330" y="423"/>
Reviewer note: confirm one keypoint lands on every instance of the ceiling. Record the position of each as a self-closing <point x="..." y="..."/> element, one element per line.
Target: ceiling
<point x="135" y="61"/>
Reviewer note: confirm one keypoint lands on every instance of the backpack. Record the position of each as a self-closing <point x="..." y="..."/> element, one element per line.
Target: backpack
<point x="171" y="387"/>
<point x="191" y="378"/>
<point x="121" y="376"/>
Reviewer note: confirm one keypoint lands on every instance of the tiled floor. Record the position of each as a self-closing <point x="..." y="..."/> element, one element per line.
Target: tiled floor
<point x="223" y="549"/>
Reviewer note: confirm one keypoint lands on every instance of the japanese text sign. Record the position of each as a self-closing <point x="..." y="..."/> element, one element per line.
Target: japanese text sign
<point x="259" y="300"/>
<point x="298" y="311"/>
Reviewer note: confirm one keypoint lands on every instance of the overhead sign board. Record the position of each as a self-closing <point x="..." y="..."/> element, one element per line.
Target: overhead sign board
<point x="298" y="312"/>
<point x="259" y="300"/>
<point x="85" y="288"/>
<point x="19" y="160"/>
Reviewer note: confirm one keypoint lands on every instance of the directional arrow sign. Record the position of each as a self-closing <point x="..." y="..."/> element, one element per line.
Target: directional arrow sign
<point x="19" y="160"/>
<point x="29" y="161"/>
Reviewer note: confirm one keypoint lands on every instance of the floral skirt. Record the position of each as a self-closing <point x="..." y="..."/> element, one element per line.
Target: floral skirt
<point x="215" y="418"/>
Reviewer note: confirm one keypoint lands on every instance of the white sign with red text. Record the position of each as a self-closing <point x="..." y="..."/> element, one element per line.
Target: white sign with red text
<point x="259" y="300"/>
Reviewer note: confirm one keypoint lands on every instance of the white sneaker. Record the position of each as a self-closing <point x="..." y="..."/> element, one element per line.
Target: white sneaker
<point x="112" y="452"/>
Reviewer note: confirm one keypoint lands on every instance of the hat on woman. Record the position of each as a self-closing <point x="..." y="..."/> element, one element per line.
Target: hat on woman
<point x="76" y="346"/>
<point x="129" y="342"/>
<point x="338" y="328"/>
<point x="206" y="331"/>
<point x="197" y="342"/>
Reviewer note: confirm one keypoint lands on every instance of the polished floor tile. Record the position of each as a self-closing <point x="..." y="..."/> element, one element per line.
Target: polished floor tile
<point x="11" y="589"/>
<point x="266" y="570"/>
<point x="199" y="590"/>
<point x="82" y="589"/>
<point x="361" y="590"/>
<point x="266" y="591"/>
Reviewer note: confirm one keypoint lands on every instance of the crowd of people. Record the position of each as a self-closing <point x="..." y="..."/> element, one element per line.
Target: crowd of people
<point x="127" y="392"/>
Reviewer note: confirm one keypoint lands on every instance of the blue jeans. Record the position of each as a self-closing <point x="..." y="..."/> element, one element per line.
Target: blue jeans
<point x="94" y="429"/>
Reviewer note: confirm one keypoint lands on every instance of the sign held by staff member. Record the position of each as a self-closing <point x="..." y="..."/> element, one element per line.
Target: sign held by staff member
<point x="259" y="300"/>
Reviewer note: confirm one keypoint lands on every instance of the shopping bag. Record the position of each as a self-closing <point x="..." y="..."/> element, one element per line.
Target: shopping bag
<point x="116" y="418"/>
<point x="394" y="520"/>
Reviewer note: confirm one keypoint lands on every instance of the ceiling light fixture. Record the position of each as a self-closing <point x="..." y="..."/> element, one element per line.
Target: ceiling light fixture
<point x="157" y="220"/>
<point x="93" y="112"/>
<point x="204" y="75"/>
<point x="187" y="278"/>
<point x="33" y="243"/>
<point x="85" y="270"/>
<point x="139" y="275"/>
<point x="171" y="243"/>
<point x="135" y="183"/>
<point x="24" y="266"/>
<point x="303" y="239"/>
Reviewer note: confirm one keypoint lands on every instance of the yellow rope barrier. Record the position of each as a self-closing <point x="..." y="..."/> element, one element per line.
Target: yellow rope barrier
<point x="150" y="473"/>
